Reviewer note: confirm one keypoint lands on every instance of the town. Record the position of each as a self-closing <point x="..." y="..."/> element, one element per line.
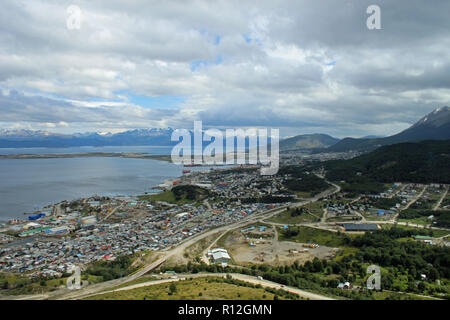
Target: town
<point x="259" y="216"/>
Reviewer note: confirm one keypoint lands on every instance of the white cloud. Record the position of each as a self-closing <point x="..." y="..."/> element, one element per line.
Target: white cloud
<point x="263" y="64"/>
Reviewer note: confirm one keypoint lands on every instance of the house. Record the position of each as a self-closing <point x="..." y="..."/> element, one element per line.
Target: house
<point x="424" y="239"/>
<point x="344" y="286"/>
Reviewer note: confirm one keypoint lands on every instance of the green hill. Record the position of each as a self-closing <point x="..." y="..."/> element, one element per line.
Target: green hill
<point x="308" y="141"/>
<point x="421" y="162"/>
<point x="179" y="195"/>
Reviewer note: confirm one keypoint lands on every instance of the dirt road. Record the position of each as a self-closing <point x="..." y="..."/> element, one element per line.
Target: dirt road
<point x="237" y="276"/>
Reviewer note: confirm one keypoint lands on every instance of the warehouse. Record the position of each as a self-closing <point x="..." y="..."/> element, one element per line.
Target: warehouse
<point x="57" y="231"/>
<point x="360" y="226"/>
<point x="219" y="255"/>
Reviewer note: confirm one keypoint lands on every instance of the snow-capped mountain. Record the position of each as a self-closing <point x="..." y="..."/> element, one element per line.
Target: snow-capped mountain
<point x="30" y="138"/>
<point x="433" y="126"/>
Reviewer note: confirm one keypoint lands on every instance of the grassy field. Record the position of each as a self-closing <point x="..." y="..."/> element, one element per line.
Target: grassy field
<point x="383" y="295"/>
<point x="286" y="217"/>
<point x="221" y="242"/>
<point x="370" y="217"/>
<point x="422" y="221"/>
<point x="435" y="233"/>
<point x="302" y="195"/>
<point x="312" y="213"/>
<point x="166" y="196"/>
<point x="321" y="237"/>
<point x="440" y="233"/>
<point x="194" y="289"/>
<point x="145" y="278"/>
<point x="17" y="285"/>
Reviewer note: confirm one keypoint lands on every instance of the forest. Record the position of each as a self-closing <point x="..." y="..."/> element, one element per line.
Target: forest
<point x="421" y="162"/>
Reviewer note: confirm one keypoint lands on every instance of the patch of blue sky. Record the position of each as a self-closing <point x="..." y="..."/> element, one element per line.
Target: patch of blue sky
<point x="197" y="64"/>
<point x="219" y="59"/>
<point x="216" y="39"/>
<point x="200" y="64"/>
<point x="332" y="63"/>
<point x="249" y="39"/>
<point x="97" y="99"/>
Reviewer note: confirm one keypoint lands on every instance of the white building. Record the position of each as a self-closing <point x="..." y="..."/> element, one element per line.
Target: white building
<point x="219" y="255"/>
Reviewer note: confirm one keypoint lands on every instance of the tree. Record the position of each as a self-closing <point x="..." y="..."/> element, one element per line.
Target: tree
<point x="317" y="265"/>
<point x="421" y="286"/>
<point x="173" y="288"/>
<point x="433" y="274"/>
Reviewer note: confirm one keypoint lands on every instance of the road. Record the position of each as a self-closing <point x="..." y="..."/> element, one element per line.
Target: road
<point x="438" y="204"/>
<point x="206" y="203"/>
<point x="111" y="213"/>
<point x="416" y="198"/>
<point x="56" y="210"/>
<point x="178" y="250"/>
<point x="237" y="276"/>
<point x="395" y="217"/>
<point x="204" y="253"/>
<point x="324" y="215"/>
<point x="409" y="224"/>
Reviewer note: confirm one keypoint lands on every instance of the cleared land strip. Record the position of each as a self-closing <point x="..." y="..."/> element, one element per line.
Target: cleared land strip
<point x="237" y="276"/>
<point x="438" y="204"/>
<point x="416" y="198"/>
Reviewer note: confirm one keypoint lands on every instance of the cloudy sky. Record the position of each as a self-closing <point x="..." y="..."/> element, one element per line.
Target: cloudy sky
<point x="300" y="66"/>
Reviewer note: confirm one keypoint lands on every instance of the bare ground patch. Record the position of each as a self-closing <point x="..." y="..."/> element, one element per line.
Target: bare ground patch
<point x="272" y="252"/>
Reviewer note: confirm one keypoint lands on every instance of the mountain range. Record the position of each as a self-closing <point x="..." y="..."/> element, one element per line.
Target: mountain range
<point x="434" y="126"/>
<point x="29" y="138"/>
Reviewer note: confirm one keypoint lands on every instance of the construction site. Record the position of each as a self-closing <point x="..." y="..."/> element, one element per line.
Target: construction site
<point x="260" y="244"/>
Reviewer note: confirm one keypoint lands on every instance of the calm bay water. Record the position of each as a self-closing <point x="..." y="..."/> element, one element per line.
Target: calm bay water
<point x="28" y="184"/>
<point x="143" y="149"/>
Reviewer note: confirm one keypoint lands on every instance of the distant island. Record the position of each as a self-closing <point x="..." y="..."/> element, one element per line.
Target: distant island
<point x="135" y="155"/>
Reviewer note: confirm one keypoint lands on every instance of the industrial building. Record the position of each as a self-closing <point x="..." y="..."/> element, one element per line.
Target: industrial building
<point x="360" y="226"/>
<point x="219" y="255"/>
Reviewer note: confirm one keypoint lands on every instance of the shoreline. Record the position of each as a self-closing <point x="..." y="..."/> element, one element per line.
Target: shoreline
<point x="129" y="155"/>
<point x="141" y="193"/>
